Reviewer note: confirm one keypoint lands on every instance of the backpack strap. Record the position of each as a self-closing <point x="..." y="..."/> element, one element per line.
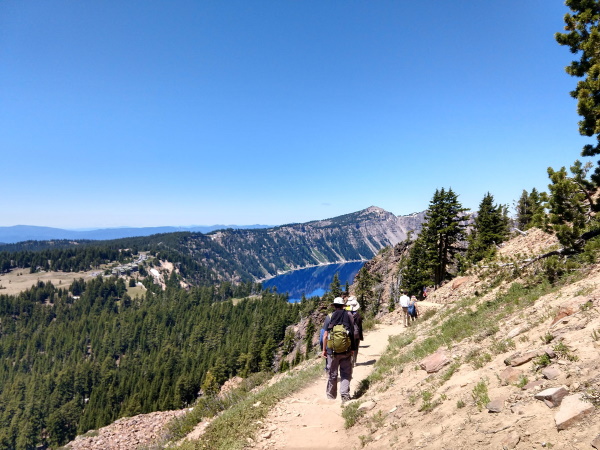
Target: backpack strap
<point x="339" y="316"/>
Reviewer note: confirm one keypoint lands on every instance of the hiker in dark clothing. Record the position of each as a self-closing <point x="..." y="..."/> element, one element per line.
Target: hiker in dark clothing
<point x="353" y="306"/>
<point x="413" y="311"/>
<point x="340" y="357"/>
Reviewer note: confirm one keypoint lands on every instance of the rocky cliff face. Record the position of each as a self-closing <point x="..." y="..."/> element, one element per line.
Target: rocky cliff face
<point x="266" y="252"/>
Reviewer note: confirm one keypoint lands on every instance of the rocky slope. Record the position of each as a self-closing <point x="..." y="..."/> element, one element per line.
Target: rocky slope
<point x="527" y="380"/>
<point x="127" y="433"/>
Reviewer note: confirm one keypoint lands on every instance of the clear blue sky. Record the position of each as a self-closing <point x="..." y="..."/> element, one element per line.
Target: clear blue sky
<point x="147" y="113"/>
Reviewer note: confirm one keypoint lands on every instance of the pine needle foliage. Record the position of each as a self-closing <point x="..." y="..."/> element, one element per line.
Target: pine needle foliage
<point x="439" y="242"/>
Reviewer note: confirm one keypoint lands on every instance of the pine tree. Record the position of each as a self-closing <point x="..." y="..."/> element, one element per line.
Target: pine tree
<point x="490" y="229"/>
<point x="266" y="354"/>
<point x="437" y="245"/>
<point x="570" y="203"/>
<point x="583" y="36"/>
<point x="210" y="386"/>
<point x="335" y="287"/>
<point x="524" y="211"/>
<point x="364" y="288"/>
<point x="415" y="270"/>
<point x="443" y="232"/>
<point x="538" y="202"/>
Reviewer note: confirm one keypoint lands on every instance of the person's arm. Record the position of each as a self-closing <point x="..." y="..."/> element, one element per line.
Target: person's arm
<point x="351" y="318"/>
<point x="360" y="329"/>
<point x="325" y="343"/>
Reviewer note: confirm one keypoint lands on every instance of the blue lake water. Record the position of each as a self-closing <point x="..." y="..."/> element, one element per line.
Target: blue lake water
<point x="314" y="280"/>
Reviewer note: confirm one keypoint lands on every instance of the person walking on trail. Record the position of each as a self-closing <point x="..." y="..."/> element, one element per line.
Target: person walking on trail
<point x="404" y="303"/>
<point x="338" y="342"/>
<point x="353" y="306"/>
<point x="413" y="311"/>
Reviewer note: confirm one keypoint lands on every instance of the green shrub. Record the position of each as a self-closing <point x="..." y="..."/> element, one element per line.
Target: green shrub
<point x="365" y="439"/>
<point x="563" y="351"/>
<point x="378" y="420"/>
<point x="502" y="346"/>
<point x="480" y="394"/>
<point x="478" y="359"/>
<point x="542" y="361"/>
<point x="352" y="414"/>
<point x="449" y="372"/>
<point x="428" y="405"/>
<point x="522" y="381"/>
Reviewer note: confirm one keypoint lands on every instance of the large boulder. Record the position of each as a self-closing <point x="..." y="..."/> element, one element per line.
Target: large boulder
<point x="496" y="405"/>
<point x="518" y="359"/>
<point x="572" y="410"/>
<point x="551" y="372"/>
<point x="510" y="375"/>
<point x="433" y="363"/>
<point x="552" y="397"/>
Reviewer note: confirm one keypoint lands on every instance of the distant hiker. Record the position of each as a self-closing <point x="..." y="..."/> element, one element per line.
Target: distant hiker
<point x="404" y="303"/>
<point x="413" y="312"/>
<point x="353" y="306"/>
<point x="338" y="342"/>
<point x="345" y="297"/>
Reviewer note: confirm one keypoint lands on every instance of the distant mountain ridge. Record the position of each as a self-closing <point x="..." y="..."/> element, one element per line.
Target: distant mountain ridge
<point x="252" y="254"/>
<point x="20" y="233"/>
<point x="351" y="237"/>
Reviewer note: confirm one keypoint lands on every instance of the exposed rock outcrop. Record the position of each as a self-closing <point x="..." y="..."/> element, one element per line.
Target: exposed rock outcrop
<point x="127" y="433"/>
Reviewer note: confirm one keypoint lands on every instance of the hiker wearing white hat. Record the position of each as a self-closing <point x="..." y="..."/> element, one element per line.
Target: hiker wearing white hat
<point x="338" y="342"/>
<point x="353" y="306"/>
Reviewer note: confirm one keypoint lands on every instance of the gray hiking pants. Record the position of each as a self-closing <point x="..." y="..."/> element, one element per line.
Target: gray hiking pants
<point x="344" y="363"/>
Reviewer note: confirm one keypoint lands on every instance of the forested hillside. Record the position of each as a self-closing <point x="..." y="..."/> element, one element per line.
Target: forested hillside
<point x="69" y="364"/>
<point x="229" y="255"/>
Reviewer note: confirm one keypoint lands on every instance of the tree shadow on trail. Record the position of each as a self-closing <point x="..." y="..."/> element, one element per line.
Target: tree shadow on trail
<point x="367" y="363"/>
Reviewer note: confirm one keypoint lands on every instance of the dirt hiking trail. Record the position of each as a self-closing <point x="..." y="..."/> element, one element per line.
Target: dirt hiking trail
<point x="308" y="419"/>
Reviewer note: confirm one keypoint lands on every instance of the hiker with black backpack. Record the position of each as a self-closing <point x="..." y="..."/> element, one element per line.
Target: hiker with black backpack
<point x="338" y="342"/>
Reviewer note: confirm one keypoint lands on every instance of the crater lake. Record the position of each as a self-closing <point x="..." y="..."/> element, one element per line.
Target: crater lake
<point x="313" y="281"/>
